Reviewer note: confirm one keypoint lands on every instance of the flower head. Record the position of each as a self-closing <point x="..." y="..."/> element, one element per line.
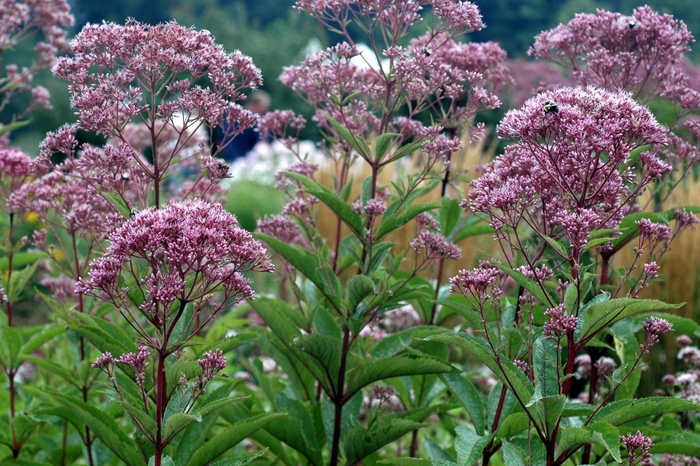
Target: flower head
<point x="211" y="363"/>
<point x="638" y="446"/>
<point x="192" y="249"/>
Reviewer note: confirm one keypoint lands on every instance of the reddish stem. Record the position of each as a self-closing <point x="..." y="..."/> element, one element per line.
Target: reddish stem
<point x="161" y="400"/>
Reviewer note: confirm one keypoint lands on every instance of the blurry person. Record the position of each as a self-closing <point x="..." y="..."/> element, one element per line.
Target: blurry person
<point x="258" y="102"/>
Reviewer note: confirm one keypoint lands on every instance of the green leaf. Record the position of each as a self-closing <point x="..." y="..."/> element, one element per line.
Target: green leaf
<point x="271" y="309"/>
<point x="148" y="425"/>
<point x="333" y="201"/>
<point x="21" y="259"/>
<point x="469" y="446"/>
<point x="601" y="434"/>
<point x="512" y="455"/>
<point x="393" y="344"/>
<point x="104" y="427"/>
<point x="624" y="411"/>
<point x="469" y="314"/>
<point x="506" y="371"/>
<point x="545" y="367"/>
<point x="118" y="202"/>
<point x="10" y="347"/>
<point x="549" y="410"/>
<point x="290" y="431"/>
<point x="470" y="398"/>
<point x="560" y="249"/>
<point x="391" y="222"/>
<point x="530" y="285"/>
<point x="406" y="461"/>
<point x="359" y="287"/>
<point x="50" y="366"/>
<point x="473" y="226"/>
<point x="405" y="150"/>
<point x="40" y="338"/>
<point x="230" y="437"/>
<point x="598" y="315"/>
<point x="308" y="264"/>
<point x="384" y="142"/>
<point x="356" y="143"/>
<point x="102" y="340"/>
<point x="178" y="422"/>
<point x="325" y="353"/>
<point x="116" y="335"/>
<point x="4" y="129"/>
<point x="228" y="343"/>
<point x="691" y="448"/>
<point x="360" y="442"/>
<point x="18" y="281"/>
<point x="512" y="425"/>
<point x="240" y="460"/>
<point x="437" y="454"/>
<point x="324" y="323"/>
<point x="395" y="366"/>
<point x="450" y="212"/>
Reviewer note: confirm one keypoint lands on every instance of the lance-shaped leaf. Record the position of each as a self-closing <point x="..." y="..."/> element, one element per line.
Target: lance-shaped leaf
<point x="356" y="143"/>
<point x="470" y="398"/>
<point x="324" y="352"/>
<point x="391" y="222"/>
<point x="333" y="201"/>
<point x="104" y="335"/>
<point x="308" y="264"/>
<point x="104" y="427"/>
<point x="530" y="285"/>
<point x="598" y="315"/>
<point x="469" y="446"/>
<point x="545" y="366"/>
<point x="513" y="455"/>
<point x="21" y="259"/>
<point x="384" y="142"/>
<point x="240" y="460"/>
<point x="624" y="411"/>
<point x="600" y="433"/>
<point x="10" y="347"/>
<point x="504" y="369"/>
<point x="548" y="409"/>
<point x="450" y="213"/>
<point x="359" y="287"/>
<point x="395" y="366"/>
<point x="360" y="442"/>
<point x="228" y="343"/>
<point x="230" y="437"/>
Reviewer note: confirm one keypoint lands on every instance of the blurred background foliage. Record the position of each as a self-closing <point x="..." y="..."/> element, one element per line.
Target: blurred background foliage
<point x="275" y="35"/>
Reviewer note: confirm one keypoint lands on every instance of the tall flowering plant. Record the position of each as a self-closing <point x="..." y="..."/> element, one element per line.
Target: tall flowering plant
<point x="552" y="318"/>
<point x="174" y="260"/>
<point x="403" y="98"/>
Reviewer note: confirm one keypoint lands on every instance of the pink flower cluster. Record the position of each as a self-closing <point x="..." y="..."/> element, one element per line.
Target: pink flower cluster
<point x="638" y="446"/>
<point x="114" y="68"/>
<point x="15" y="171"/>
<point x="560" y="323"/>
<point x="192" y="248"/>
<point x="19" y="20"/>
<point x="563" y="176"/>
<point x="367" y="91"/>
<point x="211" y="363"/>
<point x="435" y="246"/>
<point x="641" y="53"/>
<point x="65" y="201"/>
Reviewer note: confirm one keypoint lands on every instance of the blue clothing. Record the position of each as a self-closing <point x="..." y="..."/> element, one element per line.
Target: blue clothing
<point x="239" y="146"/>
